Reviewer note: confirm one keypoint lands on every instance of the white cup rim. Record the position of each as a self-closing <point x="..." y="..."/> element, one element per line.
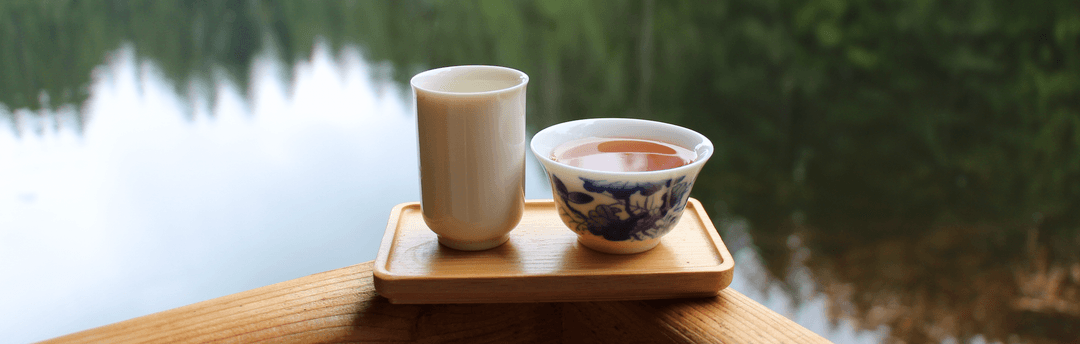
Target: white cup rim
<point x="419" y="83"/>
<point x="704" y="148"/>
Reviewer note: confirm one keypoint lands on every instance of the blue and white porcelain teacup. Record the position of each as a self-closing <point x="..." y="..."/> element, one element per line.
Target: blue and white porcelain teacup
<point x="620" y="212"/>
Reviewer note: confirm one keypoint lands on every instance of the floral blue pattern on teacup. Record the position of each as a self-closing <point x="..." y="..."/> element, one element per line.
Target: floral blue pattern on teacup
<point x="622" y="211"/>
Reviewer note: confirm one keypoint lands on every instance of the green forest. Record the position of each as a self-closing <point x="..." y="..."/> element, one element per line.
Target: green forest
<point x="926" y="153"/>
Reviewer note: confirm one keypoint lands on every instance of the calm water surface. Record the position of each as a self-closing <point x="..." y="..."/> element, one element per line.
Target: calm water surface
<point x="154" y="205"/>
<point x="893" y="174"/>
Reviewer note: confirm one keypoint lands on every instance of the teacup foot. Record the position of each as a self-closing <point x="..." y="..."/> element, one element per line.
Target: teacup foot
<point x="473" y="245"/>
<point x="625" y="247"/>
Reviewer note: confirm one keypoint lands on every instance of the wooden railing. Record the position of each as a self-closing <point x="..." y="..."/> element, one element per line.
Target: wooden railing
<point x="342" y="306"/>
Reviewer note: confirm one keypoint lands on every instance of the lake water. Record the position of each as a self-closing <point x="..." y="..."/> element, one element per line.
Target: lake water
<point x="928" y="200"/>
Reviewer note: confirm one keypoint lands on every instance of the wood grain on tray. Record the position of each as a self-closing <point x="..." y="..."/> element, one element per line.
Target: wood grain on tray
<point x="543" y="262"/>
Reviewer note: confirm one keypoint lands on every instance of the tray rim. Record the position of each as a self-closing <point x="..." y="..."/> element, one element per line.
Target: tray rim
<point x="380" y="271"/>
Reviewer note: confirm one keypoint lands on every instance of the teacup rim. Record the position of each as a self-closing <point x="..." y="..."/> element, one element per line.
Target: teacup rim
<point x="523" y="80"/>
<point x="701" y="159"/>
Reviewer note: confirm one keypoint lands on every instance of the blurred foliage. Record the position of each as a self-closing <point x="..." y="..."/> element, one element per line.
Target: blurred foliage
<point x="911" y="146"/>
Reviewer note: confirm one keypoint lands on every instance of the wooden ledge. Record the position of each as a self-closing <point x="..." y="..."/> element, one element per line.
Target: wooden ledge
<point x="342" y="306"/>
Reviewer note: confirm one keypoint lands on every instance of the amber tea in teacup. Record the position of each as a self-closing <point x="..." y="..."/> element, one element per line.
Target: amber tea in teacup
<point x="616" y="154"/>
<point x="612" y="208"/>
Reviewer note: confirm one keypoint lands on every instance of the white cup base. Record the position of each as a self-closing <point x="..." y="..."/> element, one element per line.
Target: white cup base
<point x="473" y="245"/>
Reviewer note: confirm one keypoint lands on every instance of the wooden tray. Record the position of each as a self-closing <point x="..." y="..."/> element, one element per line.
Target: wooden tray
<point x="543" y="262"/>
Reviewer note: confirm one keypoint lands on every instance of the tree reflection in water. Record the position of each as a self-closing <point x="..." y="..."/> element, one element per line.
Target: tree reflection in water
<point x="922" y="160"/>
<point x="953" y="281"/>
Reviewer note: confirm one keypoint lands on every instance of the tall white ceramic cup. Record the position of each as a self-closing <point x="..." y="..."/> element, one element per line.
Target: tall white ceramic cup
<point x="471" y="126"/>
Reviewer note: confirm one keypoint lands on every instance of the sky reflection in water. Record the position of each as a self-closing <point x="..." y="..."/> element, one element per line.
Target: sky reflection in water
<point x="152" y="207"/>
<point x="156" y="204"/>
